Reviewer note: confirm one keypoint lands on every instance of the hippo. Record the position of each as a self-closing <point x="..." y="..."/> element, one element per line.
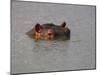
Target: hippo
<point x="49" y="31"/>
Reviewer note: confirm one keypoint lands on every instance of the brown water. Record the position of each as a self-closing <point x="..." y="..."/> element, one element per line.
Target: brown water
<point x="76" y="53"/>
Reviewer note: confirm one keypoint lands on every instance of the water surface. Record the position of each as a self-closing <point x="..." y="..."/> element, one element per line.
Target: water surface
<point x="31" y="56"/>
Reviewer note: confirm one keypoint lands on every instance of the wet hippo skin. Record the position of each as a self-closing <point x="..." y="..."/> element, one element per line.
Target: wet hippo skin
<point x="49" y="31"/>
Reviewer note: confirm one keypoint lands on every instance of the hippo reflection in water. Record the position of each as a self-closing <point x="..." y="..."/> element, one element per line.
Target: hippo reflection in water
<point x="49" y="31"/>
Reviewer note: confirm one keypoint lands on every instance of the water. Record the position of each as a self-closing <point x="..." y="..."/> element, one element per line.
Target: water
<point x="31" y="56"/>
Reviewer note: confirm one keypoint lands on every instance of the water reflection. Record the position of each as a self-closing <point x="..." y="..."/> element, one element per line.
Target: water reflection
<point x="50" y="45"/>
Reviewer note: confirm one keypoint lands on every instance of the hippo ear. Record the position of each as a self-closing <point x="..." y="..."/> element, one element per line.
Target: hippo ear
<point x="38" y="27"/>
<point x="63" y="24"/>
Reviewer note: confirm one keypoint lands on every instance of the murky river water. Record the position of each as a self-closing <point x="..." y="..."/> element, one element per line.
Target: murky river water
<point x="76" y="53"/>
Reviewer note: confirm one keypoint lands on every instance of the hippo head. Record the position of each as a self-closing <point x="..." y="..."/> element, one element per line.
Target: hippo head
<point x="49" y="31"/>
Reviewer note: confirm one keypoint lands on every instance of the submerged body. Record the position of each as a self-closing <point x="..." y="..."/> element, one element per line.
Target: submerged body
<point x="49" y="31"/>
